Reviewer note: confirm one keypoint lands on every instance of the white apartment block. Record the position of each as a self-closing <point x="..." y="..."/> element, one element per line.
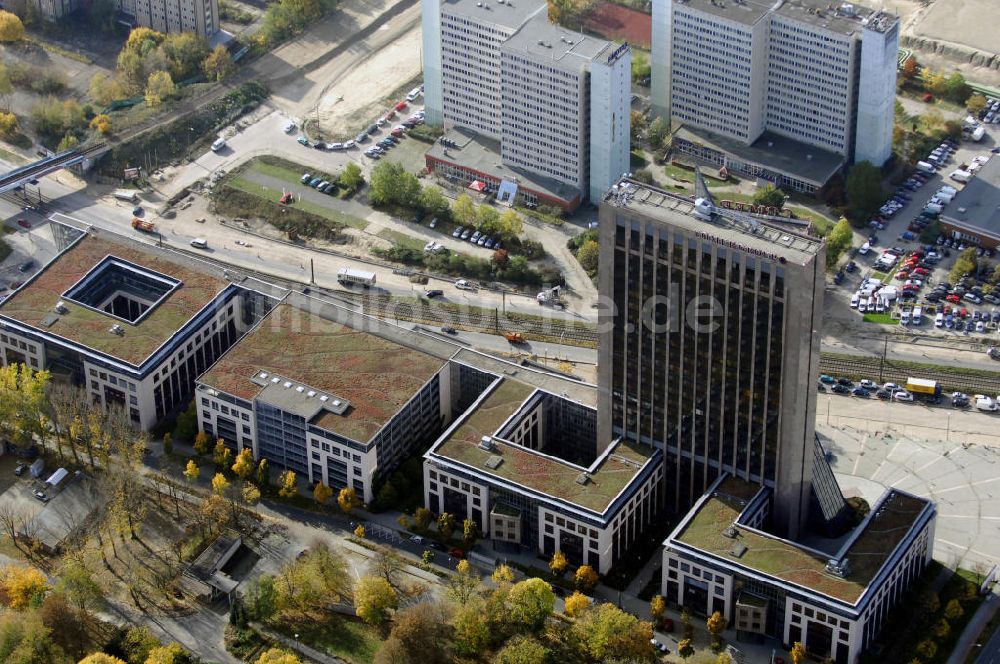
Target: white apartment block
<point x="130" y="325"/>
<point x="820" y="74"/>
<point x="171" y="16"/>
<point x="557" y="101"/>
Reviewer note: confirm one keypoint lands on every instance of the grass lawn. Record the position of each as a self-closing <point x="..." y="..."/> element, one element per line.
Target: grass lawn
<point x="403" y="239"/>
<point x="687" y="175"/>
<point x="340" y="636"/>
<point x="882" y="319"/>
<point x="881" y="276"/>
<point x="12" y="157"/>
<point x="307" y="206"/>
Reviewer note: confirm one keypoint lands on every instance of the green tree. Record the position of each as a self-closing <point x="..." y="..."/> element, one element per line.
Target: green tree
<point x="77" y="582"/>
<point x="487" y="219"/>
<point x="312" y="581"/>
<point x="530" y="603"/>
<point x="966" y="263"/>
<point x="11" y="27"/>
<point x="798" y="653"/>
<point x="640" y="67"/>
<point x="685" y="648"/>
<point x="191" y="471"/>
<point x="24" y="639"/>
<point x="502" y="575"/>
<point x="471" y="631"/>
<point x="351" y="177"/>
<point x="522" y="650"/>
<point x="68" y="624"/>
<point x="838" y="241"/>
<point x="220" y="485"/>
<point x="262" y="474"/>
<point x="374" y="599"/>
<point x="464" y="583"/>
<point x="464" y="210"/>
<point x="186" y="427"/>
<point x="217" y="65"/>
<point x="8" y="124"/>
<point x="956" y="89"/>
<point x="606" y="630"/>
<point x="587" y="255"/>
<point x="391" y="184"/>
<point x="975" y="104"/>
<point x="68" y="142"/>
<point x="261" y="598"/>
<point x="422" y="519"/>
<point x="687" y="627"/>
<point x="658" y="131"/>
<point x="770" y="196"/>
<point x="276" y="656"/>
<point x="159" y="87"/>
<point x="168" y="444"/>
<point x="657" y="607"/>
<point x="864" y="190"/>
<point x="511" y="225"/>
<point x="138" y="643"/>
<point x="433" y="202"/>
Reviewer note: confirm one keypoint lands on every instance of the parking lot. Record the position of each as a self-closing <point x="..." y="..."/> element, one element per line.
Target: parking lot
<point x="924" y="392"/>
<point x="895" y="279"/>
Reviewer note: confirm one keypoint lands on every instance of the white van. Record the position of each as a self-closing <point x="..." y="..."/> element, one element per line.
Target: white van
<point x="130" y="195"/>
<point x="915" y="317"/>
<point x="855" y="301"/>
<point x="864" y="249"/>
<point x="218" y="144"/>
<point x="414" y="93"/>
<point x="199" y="243"/>
<point x="939" y="320"/>
<point x="925" y="167"/>
<point x="904" y="317"/>
<point x="960" y="176"/>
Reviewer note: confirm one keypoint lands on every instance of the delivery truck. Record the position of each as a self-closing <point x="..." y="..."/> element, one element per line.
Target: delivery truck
<point x="923" y="387"/>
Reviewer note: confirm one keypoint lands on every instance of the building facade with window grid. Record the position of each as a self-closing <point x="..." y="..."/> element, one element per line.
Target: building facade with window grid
<point x="711" y="346"/>
<point x="172" y="16"/>
<point x="833" y="601"/>
<point x="147" y="366"/>
<point x="815" y="73"/>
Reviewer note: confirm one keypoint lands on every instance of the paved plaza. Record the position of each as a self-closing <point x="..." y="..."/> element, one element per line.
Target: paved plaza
<point x="951" y="457"/>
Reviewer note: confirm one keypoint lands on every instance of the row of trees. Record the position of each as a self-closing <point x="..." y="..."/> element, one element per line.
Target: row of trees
<point x="290" y="17"/>
<point x="952" y="87"/>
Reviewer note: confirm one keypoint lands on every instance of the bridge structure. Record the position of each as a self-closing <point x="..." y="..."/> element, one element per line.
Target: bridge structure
<point x="17" y="178"/>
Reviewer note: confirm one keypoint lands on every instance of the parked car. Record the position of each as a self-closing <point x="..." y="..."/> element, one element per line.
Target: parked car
<point x="861" y="392"/>
<point x="829" y="380"/>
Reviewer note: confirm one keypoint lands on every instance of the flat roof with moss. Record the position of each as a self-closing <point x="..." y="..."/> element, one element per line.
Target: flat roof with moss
<point x="608" y="476"/>
<point x="376" y="375"/>
<point x="894" y="515"/>
<point x="34" y="303"/>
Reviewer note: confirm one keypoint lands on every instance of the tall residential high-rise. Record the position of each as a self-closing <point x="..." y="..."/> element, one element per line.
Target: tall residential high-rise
<point x="818" y="73"/>
<point x="554" y="103"/>
<point x="198" y="16"/>
<point x="712" y="346"/>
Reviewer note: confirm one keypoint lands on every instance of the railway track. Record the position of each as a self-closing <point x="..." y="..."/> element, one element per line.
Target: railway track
<point x="952" y="379"/>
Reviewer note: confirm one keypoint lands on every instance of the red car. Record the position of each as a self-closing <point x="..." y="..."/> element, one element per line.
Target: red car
<point x="396" y="132"/>
<point x="954" y="299"/>
<point x="23" y="223"/>
<point x="963" y="312"/>
<point x="456" y="553"/>
<point x="922" y="271"/>
<point x="946" y="310"/>
<point x="902" y="274"/>
<point x="390" y="115"/>
<point x="400" y="106"/>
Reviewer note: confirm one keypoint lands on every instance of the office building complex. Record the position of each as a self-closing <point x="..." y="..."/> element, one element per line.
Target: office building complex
<point x="132" y="325"/>
<point x="834" y="600"/>
<point x="712" y="345"/>
<point x="765" y="88"/>
<point x="543" y="108"/>
<point x="523" y="462"/>
<point x="974" y="216"/>
<point x="198" y="16"/>
<point x="311" y="390"/>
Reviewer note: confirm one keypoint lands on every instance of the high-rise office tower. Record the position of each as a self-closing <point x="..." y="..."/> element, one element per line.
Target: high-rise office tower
<point x="711" y="348"/>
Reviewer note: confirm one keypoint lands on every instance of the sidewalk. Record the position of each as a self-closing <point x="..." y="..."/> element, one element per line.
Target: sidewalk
<point x="974" y="628"/>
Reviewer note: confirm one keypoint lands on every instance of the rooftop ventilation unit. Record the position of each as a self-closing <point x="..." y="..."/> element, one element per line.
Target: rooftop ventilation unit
<point x="486" y="443"/>
<point x="731" y="532"/>
<point x="61" y="307"/>
<point x="311" y="393"/>
<point x="300" y="389"/>
<point x="738" y="550"/>
<point x="582" y="479"/>
<point x="839" y="568"/>
<point x="117" y="329"/>
<point x="324" y="398"/>
<point x="336" y="403"/>
<point x="275" y="380"/>
<point x="287" y="384"/>
<point x="263" y="375"/>
<point x="494" y="461"/>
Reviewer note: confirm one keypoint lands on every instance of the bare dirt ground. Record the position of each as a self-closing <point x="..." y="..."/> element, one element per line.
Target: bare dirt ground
<point x="952" y="34"/>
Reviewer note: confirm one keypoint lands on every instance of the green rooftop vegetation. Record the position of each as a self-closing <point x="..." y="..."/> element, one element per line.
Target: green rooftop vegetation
<point x="36" y="301"/>
<point x="377" y="376"/>
<point x="789" y="562"/>
<point x="531" y="469"/>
